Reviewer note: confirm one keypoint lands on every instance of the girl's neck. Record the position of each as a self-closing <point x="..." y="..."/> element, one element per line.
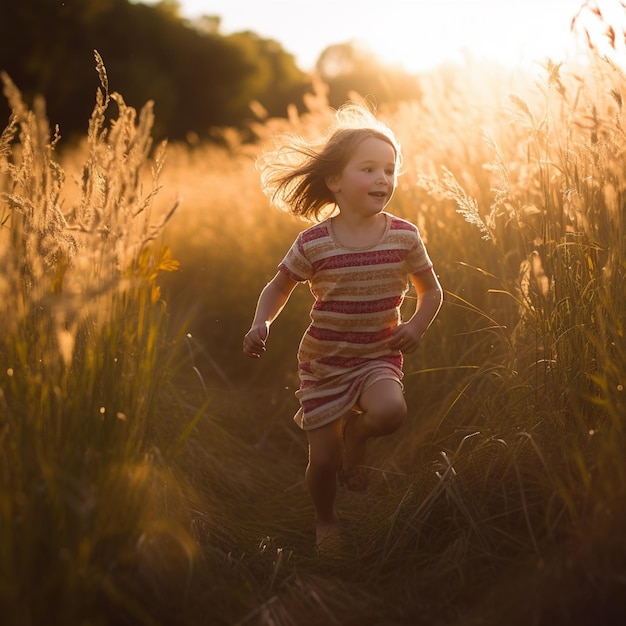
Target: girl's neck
<point x="357" y="231"/>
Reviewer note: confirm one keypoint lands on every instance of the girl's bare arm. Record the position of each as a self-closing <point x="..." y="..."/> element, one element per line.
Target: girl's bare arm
<point x="407" y="336"/>
<point x="271" y="302"/>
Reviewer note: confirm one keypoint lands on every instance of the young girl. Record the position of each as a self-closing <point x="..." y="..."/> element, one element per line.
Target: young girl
<point x="357" y="259"/>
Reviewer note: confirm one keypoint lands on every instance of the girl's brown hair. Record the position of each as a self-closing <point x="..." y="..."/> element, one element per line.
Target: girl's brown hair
<point x="294" y="174"/>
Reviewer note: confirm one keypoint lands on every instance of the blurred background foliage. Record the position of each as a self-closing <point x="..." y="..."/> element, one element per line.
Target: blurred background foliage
<point x="199" y="78"/>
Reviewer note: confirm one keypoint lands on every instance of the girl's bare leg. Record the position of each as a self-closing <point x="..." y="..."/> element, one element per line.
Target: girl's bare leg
<point x="325" y="448"/>
<point x="384" y="410"/>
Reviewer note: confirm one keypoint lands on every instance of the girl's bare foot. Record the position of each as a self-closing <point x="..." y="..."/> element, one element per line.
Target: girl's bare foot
<point x="326" y="533"/>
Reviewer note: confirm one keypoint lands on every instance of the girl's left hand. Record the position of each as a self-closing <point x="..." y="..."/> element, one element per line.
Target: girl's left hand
<point x="404" y="338"/>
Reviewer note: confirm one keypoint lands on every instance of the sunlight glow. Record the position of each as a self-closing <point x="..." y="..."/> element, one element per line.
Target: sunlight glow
<point x="416" y="34"/>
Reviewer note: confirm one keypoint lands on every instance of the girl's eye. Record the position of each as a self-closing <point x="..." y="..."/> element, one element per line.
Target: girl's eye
<point x="390" y="172"/>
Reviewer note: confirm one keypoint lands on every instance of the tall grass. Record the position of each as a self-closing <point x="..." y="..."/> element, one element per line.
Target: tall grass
<point x="84" y="356"/>
<point x="562" y="204"/>
<point x="167" y="466"/>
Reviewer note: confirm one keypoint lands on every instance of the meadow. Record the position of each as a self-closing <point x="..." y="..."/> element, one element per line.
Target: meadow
<point x="151" y="473"/>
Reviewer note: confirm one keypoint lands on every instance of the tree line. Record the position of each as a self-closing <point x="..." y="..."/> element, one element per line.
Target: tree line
<point x="198" y="78"/>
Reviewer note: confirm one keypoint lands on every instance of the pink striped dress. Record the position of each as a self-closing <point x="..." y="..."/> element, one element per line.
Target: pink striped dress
<point x="358" y="293"/>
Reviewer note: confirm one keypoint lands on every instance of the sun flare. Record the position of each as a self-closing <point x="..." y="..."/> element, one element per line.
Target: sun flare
<point x="423" y="35"/>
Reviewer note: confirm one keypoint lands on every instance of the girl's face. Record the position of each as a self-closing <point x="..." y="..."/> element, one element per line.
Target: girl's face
<point x="365" y="185"/>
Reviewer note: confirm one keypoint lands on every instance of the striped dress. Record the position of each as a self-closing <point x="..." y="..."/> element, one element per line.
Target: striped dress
<point x="358" y="293"/>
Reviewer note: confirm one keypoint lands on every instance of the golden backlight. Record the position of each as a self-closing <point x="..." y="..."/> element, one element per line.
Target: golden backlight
<point x="417" y="34"/>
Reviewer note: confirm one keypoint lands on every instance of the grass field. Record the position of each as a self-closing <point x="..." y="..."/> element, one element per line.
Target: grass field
<point x="151" y="474"/>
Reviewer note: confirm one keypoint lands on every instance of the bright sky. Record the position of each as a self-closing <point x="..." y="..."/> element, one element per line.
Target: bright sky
<point x="419" y="34"/>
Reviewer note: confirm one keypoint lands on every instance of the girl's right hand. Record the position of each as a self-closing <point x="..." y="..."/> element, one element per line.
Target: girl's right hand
<point x="254" y="341"/>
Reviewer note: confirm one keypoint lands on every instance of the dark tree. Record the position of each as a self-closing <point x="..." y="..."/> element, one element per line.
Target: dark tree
<point x="198" y="78"/>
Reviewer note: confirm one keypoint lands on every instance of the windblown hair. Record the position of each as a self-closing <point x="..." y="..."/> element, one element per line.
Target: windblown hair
<point x="294" y="174"/>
